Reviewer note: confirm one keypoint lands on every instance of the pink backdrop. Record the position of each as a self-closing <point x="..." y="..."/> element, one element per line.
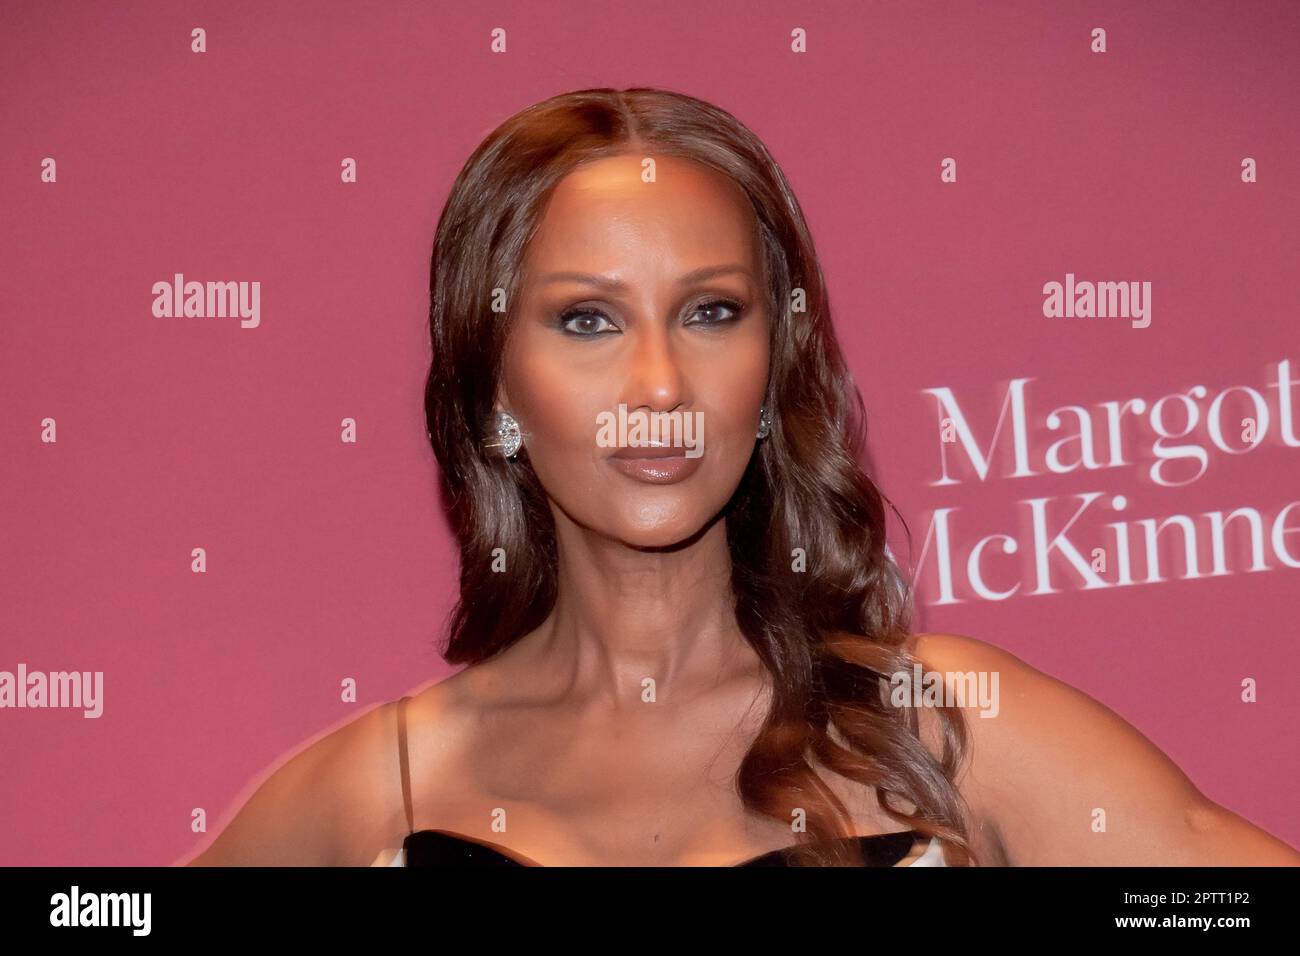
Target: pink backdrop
<point x="328" y="560"/>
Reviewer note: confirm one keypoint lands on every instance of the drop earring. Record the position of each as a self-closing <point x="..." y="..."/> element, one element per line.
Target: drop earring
<point x="764" y="423"/>
<point x="506" y="437"/>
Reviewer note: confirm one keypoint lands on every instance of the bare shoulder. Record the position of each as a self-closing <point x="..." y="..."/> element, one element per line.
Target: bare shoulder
<point x="1067" y="781"/>
<point x="322" y="805"/>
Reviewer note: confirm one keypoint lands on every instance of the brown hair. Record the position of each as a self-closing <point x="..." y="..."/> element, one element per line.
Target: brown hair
<point x="830" y="637"/>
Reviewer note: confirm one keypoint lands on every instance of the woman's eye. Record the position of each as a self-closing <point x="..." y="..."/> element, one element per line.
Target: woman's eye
<point x="718" y="307"/>
<point x="586" y="322"/>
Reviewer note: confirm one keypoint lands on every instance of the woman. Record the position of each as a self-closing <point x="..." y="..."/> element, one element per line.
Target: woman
<point x="687" y="659"/>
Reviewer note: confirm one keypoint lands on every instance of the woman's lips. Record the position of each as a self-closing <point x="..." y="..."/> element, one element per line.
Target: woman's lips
<point x="655" y="466"/>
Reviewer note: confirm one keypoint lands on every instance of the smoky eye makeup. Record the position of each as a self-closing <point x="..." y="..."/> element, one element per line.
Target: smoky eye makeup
<point x="589" y="321"/>
<point x="732" y="311"/>
<point x="584" y="321"/>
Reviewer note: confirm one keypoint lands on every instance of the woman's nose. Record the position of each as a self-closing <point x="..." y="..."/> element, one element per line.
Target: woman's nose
<point x="655" y="376"/>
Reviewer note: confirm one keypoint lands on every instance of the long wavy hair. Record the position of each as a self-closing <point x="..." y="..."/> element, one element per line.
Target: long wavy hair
<point x="831" y="636"/>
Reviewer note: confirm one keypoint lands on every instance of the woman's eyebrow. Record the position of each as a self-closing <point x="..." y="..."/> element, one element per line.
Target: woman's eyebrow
<point x="617" y="285"/>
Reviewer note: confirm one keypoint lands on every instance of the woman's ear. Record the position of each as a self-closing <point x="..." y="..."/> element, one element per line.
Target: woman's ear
<point x="502" y="403"/>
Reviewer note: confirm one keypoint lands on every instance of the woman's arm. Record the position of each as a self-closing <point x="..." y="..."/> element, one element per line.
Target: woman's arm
<point x="1067" y="782"/>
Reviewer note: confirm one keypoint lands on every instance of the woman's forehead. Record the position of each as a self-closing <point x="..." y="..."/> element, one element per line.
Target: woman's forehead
<point x="606" y="212"/>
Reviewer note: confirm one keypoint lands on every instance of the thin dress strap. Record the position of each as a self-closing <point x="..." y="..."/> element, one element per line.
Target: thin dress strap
<point x="406" y="763"/>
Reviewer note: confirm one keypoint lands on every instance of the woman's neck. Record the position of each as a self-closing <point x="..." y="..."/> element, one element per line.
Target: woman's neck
<point x="629" y="623"/>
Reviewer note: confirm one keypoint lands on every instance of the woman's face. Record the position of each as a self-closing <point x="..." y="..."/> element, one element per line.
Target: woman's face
<point x="648" y="295"/>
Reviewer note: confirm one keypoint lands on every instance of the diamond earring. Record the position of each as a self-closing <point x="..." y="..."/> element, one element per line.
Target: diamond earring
<point x="506" y="436"/>
<point x="764" y="423"/>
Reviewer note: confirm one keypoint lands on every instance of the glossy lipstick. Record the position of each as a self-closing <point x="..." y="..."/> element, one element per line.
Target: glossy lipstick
<point x="664" y="465"/>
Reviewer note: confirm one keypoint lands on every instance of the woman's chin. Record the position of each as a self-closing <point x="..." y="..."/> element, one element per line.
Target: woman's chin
<point x="659" y="534"/>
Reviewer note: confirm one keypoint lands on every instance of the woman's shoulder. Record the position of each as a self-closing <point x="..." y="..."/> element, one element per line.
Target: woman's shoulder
<point x="1009" y="702"/>
<point x="1013" y="711"/>
<point x="1061" y="777"/>
<point x="330" y="801"/>
<point x="957" y="651"/>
